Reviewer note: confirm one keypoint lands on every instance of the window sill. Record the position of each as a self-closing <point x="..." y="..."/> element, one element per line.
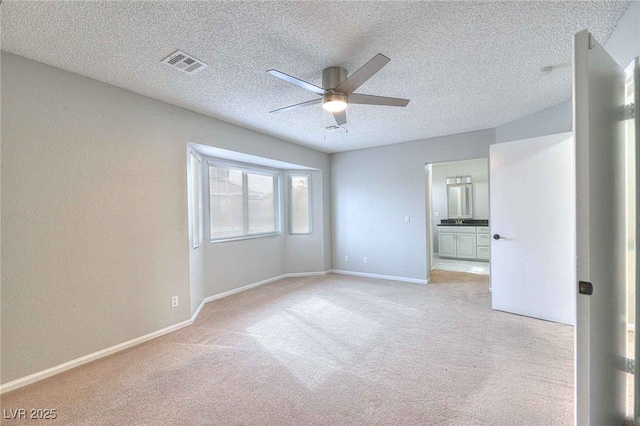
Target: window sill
<point x="246" y="237"/>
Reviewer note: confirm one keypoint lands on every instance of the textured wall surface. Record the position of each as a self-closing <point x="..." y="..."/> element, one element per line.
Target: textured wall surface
<point x="94" y="214"/>
<point x="373" y="189"/>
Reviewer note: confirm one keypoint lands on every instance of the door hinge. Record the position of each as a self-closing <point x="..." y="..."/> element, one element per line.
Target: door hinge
<point x="585" y="287"/>
<point x="631" y="366"/>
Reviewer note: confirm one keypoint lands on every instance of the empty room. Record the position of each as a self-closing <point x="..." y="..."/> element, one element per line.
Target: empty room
<point x="319" y="213"/>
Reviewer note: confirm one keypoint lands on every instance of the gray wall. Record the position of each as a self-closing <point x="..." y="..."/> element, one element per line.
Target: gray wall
<point x="94" y="219"/>
<point x="233" y="264"/>
<point x="478" y="169"/>
<point x="558" y="119"/>
<point x="623" y="46"/>
<point x="305" y="253"/>
<point x="373" y="189"/>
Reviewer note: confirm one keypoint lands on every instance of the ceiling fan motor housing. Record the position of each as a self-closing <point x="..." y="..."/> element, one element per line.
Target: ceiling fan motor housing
<point x="332" y="77"/>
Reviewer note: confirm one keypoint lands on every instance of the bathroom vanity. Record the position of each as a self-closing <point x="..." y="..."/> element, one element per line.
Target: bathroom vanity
<point x="464" y="240"/>
<point x="464" y="237"/>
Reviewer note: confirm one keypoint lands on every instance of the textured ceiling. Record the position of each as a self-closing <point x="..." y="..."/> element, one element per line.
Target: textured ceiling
<point x="464" y="65"/>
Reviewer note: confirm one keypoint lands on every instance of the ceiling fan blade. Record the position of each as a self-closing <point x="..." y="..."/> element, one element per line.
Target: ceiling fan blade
<point x="341" y="117"/>
<point x="296" y="106"/>
<point x="359" y="77"/>
<point x="302" y="84"/>
<point x="356" y="98"/>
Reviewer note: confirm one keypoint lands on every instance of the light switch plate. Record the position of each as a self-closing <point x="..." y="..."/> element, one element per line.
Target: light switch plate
<point x="407" y="218"/>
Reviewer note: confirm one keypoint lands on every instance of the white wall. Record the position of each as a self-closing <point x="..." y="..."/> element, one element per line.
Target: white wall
<point x="478" y="169"/>
<point x="94" y="215"/>
<point x="373" y="189"/>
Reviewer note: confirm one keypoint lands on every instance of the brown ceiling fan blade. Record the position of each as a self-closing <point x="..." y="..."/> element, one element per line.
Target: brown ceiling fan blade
<point x="296" y="106"/>
<point x="302" y="84"/>
<point x="359" y="77"/>
<point x="356" y="98"/>
<point x="341" y="117"/>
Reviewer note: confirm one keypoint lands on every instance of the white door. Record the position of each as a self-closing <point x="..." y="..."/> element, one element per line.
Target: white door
<point x="532" y="189"/>
<point x="466" y="246"/>
<point x="598" y="108"/>
<point x="633" y="161"/>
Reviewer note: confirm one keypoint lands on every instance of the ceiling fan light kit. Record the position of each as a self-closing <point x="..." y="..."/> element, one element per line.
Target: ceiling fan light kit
<point x="337" y="89"/>
<point x="334" y="102"/>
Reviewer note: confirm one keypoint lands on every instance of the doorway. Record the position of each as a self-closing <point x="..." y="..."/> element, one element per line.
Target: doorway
<point x="458" y="216"/>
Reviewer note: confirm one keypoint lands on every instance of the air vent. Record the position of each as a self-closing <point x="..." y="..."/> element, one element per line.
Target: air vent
<point x="184" y="62"/>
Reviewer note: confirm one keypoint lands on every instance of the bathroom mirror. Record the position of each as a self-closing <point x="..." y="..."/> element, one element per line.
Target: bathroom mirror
<point x="460" y="200"/>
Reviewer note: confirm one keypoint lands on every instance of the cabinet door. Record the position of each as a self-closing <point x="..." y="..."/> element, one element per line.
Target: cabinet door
<point x="484" y="240"/>
<point x="466" y="246"/>
<point x="483" y="253"/>
<point x="447" y="244"/>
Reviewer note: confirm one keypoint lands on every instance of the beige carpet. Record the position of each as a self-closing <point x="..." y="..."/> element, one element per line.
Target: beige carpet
<point x="332" y="350"/>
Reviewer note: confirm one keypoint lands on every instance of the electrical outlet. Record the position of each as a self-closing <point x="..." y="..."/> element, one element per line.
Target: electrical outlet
<point x="346" y="258"/>
<point x="365" y="260"/>
<point x="174" y="301"/>
<point x="436" y="214"/>
<point x="407" y="218"/>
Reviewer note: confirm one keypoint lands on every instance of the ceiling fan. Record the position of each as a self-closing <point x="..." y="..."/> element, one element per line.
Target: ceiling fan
<point x="337" y="90"/>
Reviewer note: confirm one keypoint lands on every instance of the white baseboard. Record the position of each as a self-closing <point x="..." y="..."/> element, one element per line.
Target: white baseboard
<point x="41" y="375"/>
<point x="234" y="291"/>
<point x="383" y="277"/>
<point x="307" y="274"/>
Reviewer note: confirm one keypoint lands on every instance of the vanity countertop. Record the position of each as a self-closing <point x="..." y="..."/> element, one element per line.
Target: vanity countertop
<point x="466" y="222"/>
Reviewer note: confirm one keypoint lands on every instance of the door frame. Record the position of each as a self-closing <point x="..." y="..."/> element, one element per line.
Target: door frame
<point x="428" y="169"/>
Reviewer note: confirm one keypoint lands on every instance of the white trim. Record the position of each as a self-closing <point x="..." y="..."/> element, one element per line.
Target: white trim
<point x="246" y="170"/>
<point x="195" y="212"/>
<point x="307" y="274"/>
<point x="234" y="291"/>
<point x="383" y="277"/>
<point x="41" y="375"/>
<point x="631" y="327"/>
<point x="290" y="202"/>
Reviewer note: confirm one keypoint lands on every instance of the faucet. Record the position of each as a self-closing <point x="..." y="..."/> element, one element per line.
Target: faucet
<point x="459" y="220"/>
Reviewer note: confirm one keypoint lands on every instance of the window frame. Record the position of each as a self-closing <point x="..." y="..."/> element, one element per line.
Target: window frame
<point x="290" y="195"/>
<point x="193" y="209"/>
<point x="252" y="170"/>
